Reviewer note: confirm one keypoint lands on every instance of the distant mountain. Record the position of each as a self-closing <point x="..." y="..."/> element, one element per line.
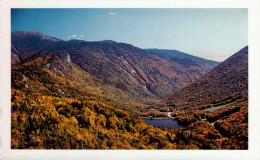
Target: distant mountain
<point x="32" y="35"/>
<point x="26" y="43"/>
<point x="123" y="72"/>
<point x="181" y="55"/>
<point x="225" y="83"/>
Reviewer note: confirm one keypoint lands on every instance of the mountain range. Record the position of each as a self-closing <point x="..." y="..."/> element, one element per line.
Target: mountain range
<point x="118" y="70"/>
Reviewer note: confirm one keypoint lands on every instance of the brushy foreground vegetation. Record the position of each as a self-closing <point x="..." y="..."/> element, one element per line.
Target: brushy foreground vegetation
<point x="48" y="122"/>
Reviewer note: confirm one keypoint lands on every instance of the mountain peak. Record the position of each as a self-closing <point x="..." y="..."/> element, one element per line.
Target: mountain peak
<point x="108" y="41"/>
<point x="245" y="49"/>
<point x="36" y="34"/>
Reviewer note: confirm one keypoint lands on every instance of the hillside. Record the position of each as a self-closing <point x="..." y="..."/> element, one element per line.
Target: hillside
<point x="227" y="82"/>
<point x="219" y="98"/>
<point x="49" y="122"/>
<point x="124" y="71"/>
<point x="50" y="75"/>
<point x="181" y="55"/>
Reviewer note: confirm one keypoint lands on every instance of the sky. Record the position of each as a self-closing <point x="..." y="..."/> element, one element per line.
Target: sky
<point x="213" y="34"/>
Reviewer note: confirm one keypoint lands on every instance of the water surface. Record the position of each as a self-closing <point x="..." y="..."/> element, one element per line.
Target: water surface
<point x="172" y="124"/>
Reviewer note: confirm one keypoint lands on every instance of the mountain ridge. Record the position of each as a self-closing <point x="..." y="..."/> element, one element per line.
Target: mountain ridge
<point x="117" y="65"/>
<point x="170" y="53"/>
<point x="229" y="80"/>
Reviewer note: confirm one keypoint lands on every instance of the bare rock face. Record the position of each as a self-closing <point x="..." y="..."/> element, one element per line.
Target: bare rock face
<point x="14" y="55"/>
<point x="26" y="85"/>
<point x="14" y="59"/>
<point x="68" y="58"/>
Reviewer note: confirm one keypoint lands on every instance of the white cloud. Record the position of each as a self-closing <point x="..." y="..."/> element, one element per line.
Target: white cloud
<point x="74" y="36"/>
<point x="112" y="13"/>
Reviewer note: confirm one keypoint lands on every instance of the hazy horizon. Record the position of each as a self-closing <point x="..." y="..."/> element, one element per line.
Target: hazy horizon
<point x="213" y="34"/>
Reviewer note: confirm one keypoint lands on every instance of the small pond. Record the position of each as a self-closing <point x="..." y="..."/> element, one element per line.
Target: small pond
<point x="172" y="124"/>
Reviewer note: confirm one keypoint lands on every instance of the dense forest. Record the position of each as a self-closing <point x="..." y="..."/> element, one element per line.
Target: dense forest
<point x="49" y="122"/>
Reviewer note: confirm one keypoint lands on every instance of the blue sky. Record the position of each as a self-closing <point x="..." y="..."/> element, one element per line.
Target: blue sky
<point x="209" y="33"/>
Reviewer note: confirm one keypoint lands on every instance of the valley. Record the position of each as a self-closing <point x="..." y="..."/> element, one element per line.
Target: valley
<point x="107" y="95"/>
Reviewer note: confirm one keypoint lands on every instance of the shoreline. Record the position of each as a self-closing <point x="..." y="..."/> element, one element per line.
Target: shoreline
<point x="157" y="118"/>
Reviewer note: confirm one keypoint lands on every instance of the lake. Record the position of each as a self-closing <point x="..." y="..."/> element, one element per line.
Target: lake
<point x="172" y="124"/>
